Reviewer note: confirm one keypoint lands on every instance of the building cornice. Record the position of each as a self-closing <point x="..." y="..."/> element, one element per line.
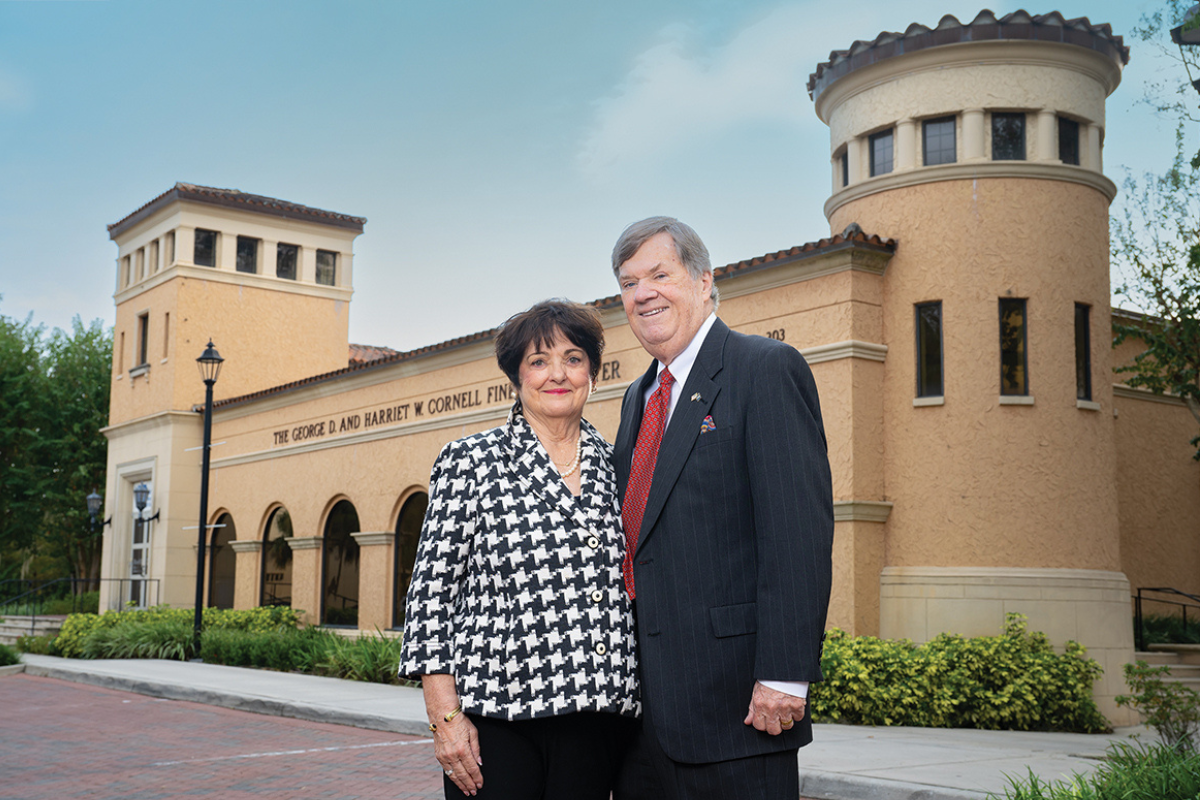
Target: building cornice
<point x="214" y="275"/>
<point x="861" y="510"/>
<point x="969" y="171"/>
<point x="1130" y="393"/>
<point x="160" y="419"/>
<point x="850" y="348"/>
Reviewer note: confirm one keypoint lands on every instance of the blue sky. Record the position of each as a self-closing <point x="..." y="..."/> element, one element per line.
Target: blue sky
<point x="497" y="149"/>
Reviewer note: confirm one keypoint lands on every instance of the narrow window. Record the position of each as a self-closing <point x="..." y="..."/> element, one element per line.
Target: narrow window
<point x="141" y="263"/>
<point x="1014" y="372"/>
<point x="154" y="257"/>
<point x="205" y="254"/>
<point x="143" y="337"/>
<point x="326" y="267"/>
<point x="881" y="152"/>
<point x="124" y="272"/>
<point x="285" y="261"/>
<point x="929" y="349"/>
<point x="1008" y="137"/>
<point x="1068" y="141"/>
<point x="1083" y="352"/>
<point x="845" y="159"/>
<point x="170" y="248"/>
<point x="939" y="145"/>
<point x="166" y="334"/>
<point x="121" y="354"/>
<point x="247" y="254"/>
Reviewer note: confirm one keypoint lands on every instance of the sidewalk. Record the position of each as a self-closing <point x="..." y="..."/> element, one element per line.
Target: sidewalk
<point x="843" y="763"/>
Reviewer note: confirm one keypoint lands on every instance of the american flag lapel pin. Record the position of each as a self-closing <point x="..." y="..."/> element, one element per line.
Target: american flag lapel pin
<point x="696" y="398"/>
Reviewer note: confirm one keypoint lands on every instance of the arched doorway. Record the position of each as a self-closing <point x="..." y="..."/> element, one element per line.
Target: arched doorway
<point x="222" y="563"/>
<point x="276" y="579"/>
<point x="408" y="531"/>
<point x="339" y="568"/>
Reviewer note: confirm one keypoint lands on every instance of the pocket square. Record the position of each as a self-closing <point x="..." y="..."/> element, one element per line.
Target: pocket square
<point x="708" y="425"/>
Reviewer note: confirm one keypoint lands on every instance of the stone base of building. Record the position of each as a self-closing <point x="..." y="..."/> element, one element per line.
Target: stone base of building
<point x="1091" y="607"/>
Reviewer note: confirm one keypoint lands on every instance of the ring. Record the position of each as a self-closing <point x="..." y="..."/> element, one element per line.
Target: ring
<point x="786" y="723"/>
<point x="449" y="773"/>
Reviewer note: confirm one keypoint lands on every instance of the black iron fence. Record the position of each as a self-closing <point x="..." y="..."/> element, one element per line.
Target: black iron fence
<point x="1139" y="630"/>
<point x="26" y="598"/>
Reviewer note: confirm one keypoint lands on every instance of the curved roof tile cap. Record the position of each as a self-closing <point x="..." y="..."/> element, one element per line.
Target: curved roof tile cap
<point x="235" y="198"/>
<point x="1019" y="25"/>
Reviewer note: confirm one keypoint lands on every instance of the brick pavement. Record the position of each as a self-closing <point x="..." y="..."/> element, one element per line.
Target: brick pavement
<point x="63" y="740"/>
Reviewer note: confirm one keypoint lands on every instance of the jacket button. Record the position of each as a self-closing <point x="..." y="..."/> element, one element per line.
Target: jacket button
<point x="597" y="596"/>
<point x="593" y="542"/>
<point x="601" y="649"/>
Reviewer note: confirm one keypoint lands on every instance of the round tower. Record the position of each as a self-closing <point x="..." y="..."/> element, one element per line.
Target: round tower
<point x="977" y="146"/>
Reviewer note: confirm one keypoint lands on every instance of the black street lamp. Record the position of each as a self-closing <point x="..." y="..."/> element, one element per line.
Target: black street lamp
<point x="141" y="496"/>
<point x="210" y="367"/>
<point x="94" y="505"/>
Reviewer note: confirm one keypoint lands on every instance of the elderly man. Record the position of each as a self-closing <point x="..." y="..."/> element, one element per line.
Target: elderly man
<point x="724" y="478"/>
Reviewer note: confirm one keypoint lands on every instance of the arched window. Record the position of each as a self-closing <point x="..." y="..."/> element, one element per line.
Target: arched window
<point x="222" y="562"/>
<point x="408" y="531"/>
<point x="276" y="562"/>
<point x="339" y="596"/>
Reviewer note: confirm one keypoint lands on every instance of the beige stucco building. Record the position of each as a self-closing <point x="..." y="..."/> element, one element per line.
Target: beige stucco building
<point x="957" y="321"/>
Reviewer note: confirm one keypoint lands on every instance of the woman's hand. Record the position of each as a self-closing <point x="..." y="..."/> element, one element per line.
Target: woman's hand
<point x="456" y="746"/>
<point x="455" y="743"/>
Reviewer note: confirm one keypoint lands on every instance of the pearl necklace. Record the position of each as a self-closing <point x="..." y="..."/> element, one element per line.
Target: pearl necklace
<point x="574" y="465"/>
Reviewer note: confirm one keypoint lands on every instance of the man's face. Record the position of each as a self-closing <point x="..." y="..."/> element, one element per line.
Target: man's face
<point x="664" y="304"/>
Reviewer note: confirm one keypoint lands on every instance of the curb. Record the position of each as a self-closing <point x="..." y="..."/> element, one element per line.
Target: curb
<point x="14" y="669"/>
<point x="237" y="702"/>
<point x="835" y="786"/>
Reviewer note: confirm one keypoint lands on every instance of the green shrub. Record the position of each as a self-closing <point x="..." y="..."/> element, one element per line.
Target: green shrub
<point x="44" y="645"/>
<point x="1170" y="629"/>
<point x="371" y="658"/>
<point x="85" y="603"/>
<point x="8" y="656"/>
<point x="1172" y="709"/>
<point x="1130" y="772"/>
<point x="1014" y="681"/>
<point x="77" y="627"/>
<point x="165" y="638"/>
<point x="284" y="650"/>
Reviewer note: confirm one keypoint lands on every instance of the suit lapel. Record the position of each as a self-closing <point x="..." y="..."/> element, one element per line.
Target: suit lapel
<point x="695" y="401"/>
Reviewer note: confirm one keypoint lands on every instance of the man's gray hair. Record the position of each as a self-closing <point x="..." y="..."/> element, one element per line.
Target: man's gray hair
<point x="688" y="246"/>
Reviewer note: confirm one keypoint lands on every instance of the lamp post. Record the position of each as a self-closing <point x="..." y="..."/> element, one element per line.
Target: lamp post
<point x="95" y="504"/>
<point x="210" y="367"/>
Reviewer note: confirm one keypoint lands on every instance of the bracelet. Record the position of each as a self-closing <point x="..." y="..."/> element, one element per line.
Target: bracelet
<point x="433" y="725"/>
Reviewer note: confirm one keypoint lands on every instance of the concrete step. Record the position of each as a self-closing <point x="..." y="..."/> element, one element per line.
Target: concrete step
<point x="1186" y="653"/>
<point x="1158" y="658"/>
<point x="13" y="627"/>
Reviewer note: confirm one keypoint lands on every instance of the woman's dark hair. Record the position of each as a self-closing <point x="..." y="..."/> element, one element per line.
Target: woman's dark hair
<point x="542" y="324"/>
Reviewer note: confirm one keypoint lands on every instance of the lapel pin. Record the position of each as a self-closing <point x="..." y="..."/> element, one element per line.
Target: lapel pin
<point x="696" y="397"/>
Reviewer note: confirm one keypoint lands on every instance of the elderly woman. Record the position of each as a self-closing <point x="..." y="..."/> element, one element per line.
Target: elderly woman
<point x="518" y="623"/>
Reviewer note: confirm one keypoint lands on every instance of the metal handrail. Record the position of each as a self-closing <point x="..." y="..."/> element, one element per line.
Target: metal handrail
<point x="41" y="588"/>
<point x="1139" y="632"/>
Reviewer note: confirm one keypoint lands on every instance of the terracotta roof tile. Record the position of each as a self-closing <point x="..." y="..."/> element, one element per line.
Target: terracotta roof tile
<point x="362" y="353"/>
<point x="1019" y="25"/>
<point x="234" y="198"/>
<point x="851" y="237"/>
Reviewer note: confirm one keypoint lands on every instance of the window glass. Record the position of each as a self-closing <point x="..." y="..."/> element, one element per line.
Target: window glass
<point x="340" y="560"/>
<point x="277" y="561"/>
<point x="1068" y="141"/>
<point x="143" y="337"/>
<point x="1014" y="373"/>
<point x="205" y="254"/>
<point x="1083" y="353"/>
<point x="881" y="153"/>
<point x="939" y="145"/>
<point x="845" y="168"/>
<point x="929" y="349"/>
<point x="408" y="532"/>
<point x="285" y="261"/>
<point x="1008" y="137"/>
<point x="326" y="267"/>
<point x="247" y="254"/>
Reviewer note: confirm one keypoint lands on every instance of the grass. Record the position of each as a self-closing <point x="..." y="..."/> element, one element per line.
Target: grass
<point x="1130" y="772"/>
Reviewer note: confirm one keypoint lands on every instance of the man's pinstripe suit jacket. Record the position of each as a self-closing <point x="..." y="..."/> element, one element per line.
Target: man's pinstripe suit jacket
<point x="732" y="569"/>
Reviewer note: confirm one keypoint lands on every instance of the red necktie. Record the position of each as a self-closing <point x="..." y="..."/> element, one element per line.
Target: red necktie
<point x="645" y="454"/>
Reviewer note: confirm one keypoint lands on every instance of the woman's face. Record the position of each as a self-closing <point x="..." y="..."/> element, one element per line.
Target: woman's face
<point x="555" y="379"/>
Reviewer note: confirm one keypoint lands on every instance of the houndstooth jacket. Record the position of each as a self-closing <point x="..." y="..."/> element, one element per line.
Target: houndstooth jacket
<point x="517" y="587"/>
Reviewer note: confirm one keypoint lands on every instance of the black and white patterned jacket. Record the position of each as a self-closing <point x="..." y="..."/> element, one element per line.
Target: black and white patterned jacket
<point x="517" y="587"/>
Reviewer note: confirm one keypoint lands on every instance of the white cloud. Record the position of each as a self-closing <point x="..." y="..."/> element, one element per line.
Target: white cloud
<point x="678" y="92"/>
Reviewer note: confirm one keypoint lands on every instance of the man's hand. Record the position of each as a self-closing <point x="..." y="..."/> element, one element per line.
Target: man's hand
<point x="773" y="712"/>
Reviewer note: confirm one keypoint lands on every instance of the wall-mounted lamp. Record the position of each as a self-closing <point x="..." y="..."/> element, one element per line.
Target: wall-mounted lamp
<point x="94" y="504"/>
<point x="141" y="496"/>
